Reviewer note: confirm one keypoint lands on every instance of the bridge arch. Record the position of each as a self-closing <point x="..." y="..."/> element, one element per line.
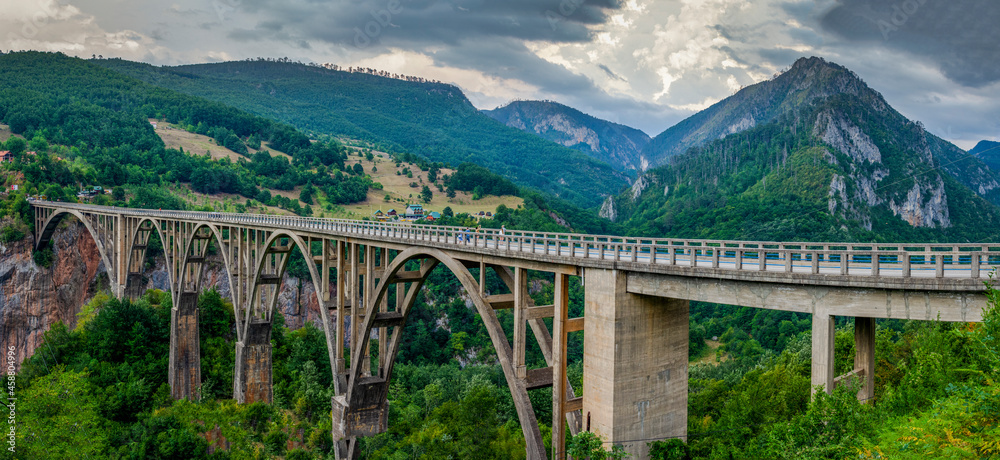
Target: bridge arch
<point x="371" y="391"/>
<point x="193" y="253"/>
<point x="49" y="228"/>
<point x="279" y="256"/>
<point x="138" y="241"/>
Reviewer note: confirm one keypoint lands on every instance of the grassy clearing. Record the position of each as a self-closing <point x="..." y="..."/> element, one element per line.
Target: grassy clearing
<point x="5" y="132"/>
<point x="223" y="202"/>
<point x="710" y="355"/>
<point x="400" y="191"/>
<point x="198" y="144"/>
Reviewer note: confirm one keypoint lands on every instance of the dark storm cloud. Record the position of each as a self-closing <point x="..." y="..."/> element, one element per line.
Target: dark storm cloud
<point x="960" y="36"/>
<point x="407" y="23"/>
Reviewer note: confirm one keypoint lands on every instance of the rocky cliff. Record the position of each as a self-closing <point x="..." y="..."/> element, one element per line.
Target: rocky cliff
<point x="35" y="298"/>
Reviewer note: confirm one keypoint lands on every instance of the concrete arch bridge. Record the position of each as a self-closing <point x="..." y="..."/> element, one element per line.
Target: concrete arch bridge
<point x="637" y="292"/>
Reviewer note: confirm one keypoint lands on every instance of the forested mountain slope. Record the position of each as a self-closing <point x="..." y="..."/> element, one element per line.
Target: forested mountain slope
<point x="612" y="143"/>
<point x="431" y="119"/>
<point x="818" y="155"/>
<point x="839" y="169"/>
<point x="103" y="118"/>
<point x="809" y="80"/>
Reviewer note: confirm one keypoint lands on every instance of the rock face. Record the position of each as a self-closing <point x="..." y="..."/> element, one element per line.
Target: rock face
<point x="608" y="209"/>
<point x="842" y="135"/>
<point x="35" y="298"/>
<point x="616" y="144"/>
<point x="921" y="212"/>
<point x="853" y="195"/>
<point x="640" y="185"/>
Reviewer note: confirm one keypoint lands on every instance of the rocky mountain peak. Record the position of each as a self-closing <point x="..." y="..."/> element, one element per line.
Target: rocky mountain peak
<point x="809" y="79"/>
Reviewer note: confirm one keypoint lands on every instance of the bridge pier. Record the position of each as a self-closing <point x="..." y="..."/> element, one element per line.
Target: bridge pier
<point x="635" y="364"/>
<point x="864" y="356"/>
<point x="822" y="351"/>
<point x="185" y="351"/>
<point x="252" y="376"/>
<point x="823" y="345"/>
<point x="133" y="286"/>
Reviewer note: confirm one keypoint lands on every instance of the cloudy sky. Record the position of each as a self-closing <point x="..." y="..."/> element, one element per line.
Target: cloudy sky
<point x="645" y="63"/>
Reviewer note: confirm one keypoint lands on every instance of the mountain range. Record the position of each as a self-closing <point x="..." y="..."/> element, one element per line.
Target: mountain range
<point x="612" y="143"/>
<point x="812" y="154"/>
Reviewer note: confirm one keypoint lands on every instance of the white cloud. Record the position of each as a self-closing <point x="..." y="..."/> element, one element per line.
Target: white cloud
<point x="696" y="107"/>
<point x="667" y="79"/>
<point x="484" y="91"/>
<point x="46" y="25"/>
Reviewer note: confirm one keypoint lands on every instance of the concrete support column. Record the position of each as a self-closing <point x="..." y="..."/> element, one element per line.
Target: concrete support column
<point x="185" y="351"/>
<point x="635" y="363"/>
<point x="252" y="379"/>
<point x="133" y="286"/>
<point x="822" y="351"/>
<point x="864" y="355"/>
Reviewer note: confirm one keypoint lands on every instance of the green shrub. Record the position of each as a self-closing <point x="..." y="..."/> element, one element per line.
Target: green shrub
<point x="670" y="449"/>
<point x="44" y="257"/>
<point x="10" y="233"/>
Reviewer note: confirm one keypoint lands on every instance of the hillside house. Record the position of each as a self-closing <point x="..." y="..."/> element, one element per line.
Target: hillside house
<point x="91" y="192"/>
<point x="6" y="156"/>
<point x="414" y="212"/>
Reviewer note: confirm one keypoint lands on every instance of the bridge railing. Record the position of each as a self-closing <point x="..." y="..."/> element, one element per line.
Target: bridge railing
<point x="906" y="260"/>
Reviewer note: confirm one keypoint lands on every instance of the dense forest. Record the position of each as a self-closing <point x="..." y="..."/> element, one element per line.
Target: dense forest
<point x="88" y="127"/>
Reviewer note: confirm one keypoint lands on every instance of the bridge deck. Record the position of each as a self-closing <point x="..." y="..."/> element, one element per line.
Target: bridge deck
<point x="930" y="266"/>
